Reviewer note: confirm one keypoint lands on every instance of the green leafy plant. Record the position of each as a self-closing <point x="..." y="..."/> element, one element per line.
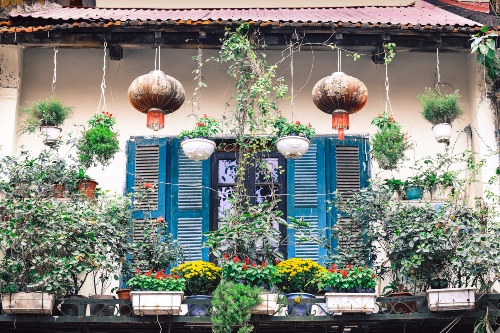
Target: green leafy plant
<point x="389" y="143"/>
<point x="348" y="280"/>
<point x="389" y="52"/>
<point x="201" y="277"/>
<point x="282" y="128"/>
<point x="158" y="281"/>
<point x="48" y="112"/>
<point x="396" y="185"/>
<point x="232" y="304"/>
<point x="205" y="127"/>
<point x="438" y="108"/>
<point x="299" y="275"/>
<point x="484" y="44"/>
<point x="99" y="143"/>
<point x="248" y="272"/>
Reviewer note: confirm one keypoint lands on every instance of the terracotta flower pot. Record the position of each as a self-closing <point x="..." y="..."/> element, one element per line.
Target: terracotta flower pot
<point x="88" y="187"/>
<point x="124" y="294"/>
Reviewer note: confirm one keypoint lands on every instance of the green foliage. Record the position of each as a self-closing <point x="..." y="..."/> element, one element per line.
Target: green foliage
<point x="389" y="143"/>
<point x="48" y="112"/>
<point x="206" y="127"/>
<point x="232" y="304"/>
<point x="439" y="108"/>
<point x="99" y="143"/>
<point x="348" y="279"/>
<point x="158" y="281"/>
<point x="52" y="245"/>
<point x="201" y="277"/>
<point x="484" y="44"/>
<point x="283" y="128"/>
<point x="257" y="275"/>
<point x="389" y="52"/>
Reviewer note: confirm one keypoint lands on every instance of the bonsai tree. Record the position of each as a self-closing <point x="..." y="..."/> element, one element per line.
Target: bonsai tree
<point x="48" y="112"/>
<point x="439" y="109"/>
<point x="99" y="143"/>
<point x="389" y="143"/>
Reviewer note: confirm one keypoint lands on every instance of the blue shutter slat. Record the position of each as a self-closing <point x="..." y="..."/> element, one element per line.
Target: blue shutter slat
<point x="190" y="203"/>
<point x="306" y="189"/>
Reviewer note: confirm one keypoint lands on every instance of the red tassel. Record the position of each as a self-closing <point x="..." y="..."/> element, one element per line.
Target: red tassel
<point x="156" y="119"/>
<point x="340" y="122"/>
<point x="341" y="133"/>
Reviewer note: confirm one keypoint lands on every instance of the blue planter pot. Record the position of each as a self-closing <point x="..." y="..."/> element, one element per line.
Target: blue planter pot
<point x="298" y="309"/>
<point x="413" y="193"/>
<point x="199" y="310"/>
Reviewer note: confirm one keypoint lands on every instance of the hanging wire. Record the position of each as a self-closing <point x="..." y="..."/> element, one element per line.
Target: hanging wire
<point x="387" y="100"/>
<point x="54" y="78"/>
<point x="156" y="56"/>
<point x="198" y="90"/>
<point x="291" y="73"/>
<point x="437" y="68"/>
<point x="103" y="83"/>
<point x="159" y="57"/>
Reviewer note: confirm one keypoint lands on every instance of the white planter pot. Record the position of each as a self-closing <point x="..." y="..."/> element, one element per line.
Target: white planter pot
<point x="442" y="132"/>
<point x="198" y="149"/>
<point x="293" y="146"/>
<point x="350" y="302"/>
<point x="50" y="134"/>
<point x="28" y="303"/>
<point x="268" y="305"/>
<point x="154" y="303"/>
<point x="451" y="299"/>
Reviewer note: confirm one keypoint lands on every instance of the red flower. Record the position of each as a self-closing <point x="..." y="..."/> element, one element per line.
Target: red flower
<point x="254" y="265"/>
<point x="245" y="267"/>
<point x="264" y="264"/>
<point x="349" y="266"/>
<point x="138" y="271"/>
<point x="110" y="115"/>
<point x="236" y="259"/>
<point x="297" y="122"/>
<point x="200" y="124"/>
<point x="147" y="185"/>
<point x="160" y="220"/>
<point x="226" y="256"/>
<point x="373" y="276"/>
<point x="360" y="269"/>
<point x="309" y="125"/>
<point x="149" y="272"/>
<point x="205" y="115"/>
<point x="334" y="266"/>
<point x="344" y="273"/>
<point x="277" y="261"/>
<point x="247" y="261"/>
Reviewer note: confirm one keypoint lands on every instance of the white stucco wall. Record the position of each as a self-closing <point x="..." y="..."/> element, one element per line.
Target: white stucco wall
<point x="79" y="74"/>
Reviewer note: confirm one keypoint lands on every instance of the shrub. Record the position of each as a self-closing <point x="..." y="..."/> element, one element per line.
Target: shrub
<point x="440" y="108"/>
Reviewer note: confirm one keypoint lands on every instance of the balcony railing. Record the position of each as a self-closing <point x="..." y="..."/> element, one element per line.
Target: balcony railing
<point x="390" y="316"/>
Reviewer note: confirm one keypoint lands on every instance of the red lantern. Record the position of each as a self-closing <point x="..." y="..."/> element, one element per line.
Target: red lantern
<point x="340" y="95"/>
<point x="156" y="94"/>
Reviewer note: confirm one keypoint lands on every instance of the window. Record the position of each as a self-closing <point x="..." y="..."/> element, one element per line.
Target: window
<point x="186" y="199"/>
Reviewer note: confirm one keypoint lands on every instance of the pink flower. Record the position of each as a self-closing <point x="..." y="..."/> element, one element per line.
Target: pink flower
<point x="160" y="220"/>
<point x="147" y="185"/>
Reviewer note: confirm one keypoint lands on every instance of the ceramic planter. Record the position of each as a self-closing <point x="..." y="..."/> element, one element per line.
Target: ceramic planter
<point x="268" y="305"/>
<point x="442" y="132"/>
<point x="350" y="302"/>
<point x="451" y="299"/>
<point x="198" y="149"/>
<point x="50" y="134"/>
<point x="293" y="146"/>
<point x="413" y="193"/>
<point x="28" y="303"/>
<point x="298" y="309"/>
<point x="88" y="187"/>
<point x="200" y="310"/>
<point x="154" y="303"/>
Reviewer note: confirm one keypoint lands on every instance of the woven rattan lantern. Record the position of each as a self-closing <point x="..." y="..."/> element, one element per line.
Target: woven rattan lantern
<point x="340" y="95"/>
<point x="156" y="94"/>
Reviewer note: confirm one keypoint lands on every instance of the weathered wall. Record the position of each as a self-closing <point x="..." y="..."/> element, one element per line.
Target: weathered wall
<point x="79" y="74"/>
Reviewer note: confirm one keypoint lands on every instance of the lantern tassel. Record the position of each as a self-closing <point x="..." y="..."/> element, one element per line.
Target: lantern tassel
<point x="156" y="119"/>
<point x="341" y="133"/>
<point x="340" y="122"/>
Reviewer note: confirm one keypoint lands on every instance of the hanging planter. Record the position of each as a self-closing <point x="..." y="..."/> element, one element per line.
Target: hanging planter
<point x="440" y="110"/>
<point x="46" y="115"/>
<point x="293" y="146"/>
<point x="340" y="95"/>
<point x="293" y="137"/>
<point x="156" y="94"/>
<point x="195" y="144"/>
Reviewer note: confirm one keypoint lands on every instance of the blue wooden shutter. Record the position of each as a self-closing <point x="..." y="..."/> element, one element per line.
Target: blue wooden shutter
<point x="306" y="198"/>
<point x="189" y="202"/>
<point x="348" y="166"/>
<point x="147" y="164"/>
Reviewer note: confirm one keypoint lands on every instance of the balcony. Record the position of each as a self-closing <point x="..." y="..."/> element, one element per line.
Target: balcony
<point x="319" y="320"/>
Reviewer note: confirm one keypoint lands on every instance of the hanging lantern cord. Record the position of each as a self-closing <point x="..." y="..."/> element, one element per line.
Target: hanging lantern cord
<point x="159" y="57"/>
<point x="198" y="91"/>
<point x="291" y="73"/>
<point x="387" y="100"/>
<point x="103" y="82"/>
<point x="438" y="74"/>
<point x="54" y="78"/>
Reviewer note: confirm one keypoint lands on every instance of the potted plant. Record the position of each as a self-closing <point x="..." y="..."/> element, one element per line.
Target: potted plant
<point x="296" y="277"/>
<point x="47" y="115"/>
<point x="99" y="143"/>
<point x="85" y="184"/>
<point x="256" y="275"/>
<point x="352" y="289"/>
<point x="196" y="144"/>
<point x="413" y="188"/>
<point x="441" y="111"/>
<point x="232" y="306"/>
<point x="389" y="144"/>
<point x="396" y="186"/>
<point x="201" y="280"/>
<point x="156" y="293"/>
<point x="293" y="137"/>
